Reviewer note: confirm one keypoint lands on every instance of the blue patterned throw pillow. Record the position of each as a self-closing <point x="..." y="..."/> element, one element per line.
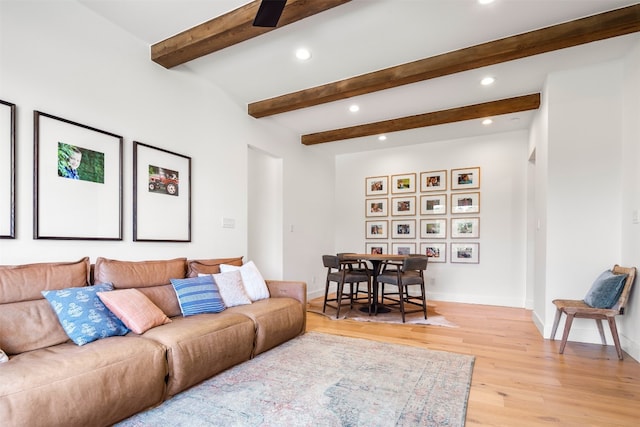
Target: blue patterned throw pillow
<point x="82" y="315"/>
<point x="606" y="290"/>
<point x="198" y="295"/>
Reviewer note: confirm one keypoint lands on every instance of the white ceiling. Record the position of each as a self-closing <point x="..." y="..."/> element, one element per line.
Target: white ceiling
<point x="367" y="35"/>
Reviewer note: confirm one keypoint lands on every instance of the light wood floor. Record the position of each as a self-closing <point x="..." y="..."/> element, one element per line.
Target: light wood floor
<point x="519" y="379"/>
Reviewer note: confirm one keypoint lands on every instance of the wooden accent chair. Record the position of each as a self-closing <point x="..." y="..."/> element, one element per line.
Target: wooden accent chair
<point x="580" y="309"/>
<point x="409" y="273"/>
<point x="342" y="272"/>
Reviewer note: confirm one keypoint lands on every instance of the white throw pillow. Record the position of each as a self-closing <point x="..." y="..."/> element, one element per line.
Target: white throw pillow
<point x="231" y="288"/>
<point x="253" y="281"/>
<point x="3" y="357"/>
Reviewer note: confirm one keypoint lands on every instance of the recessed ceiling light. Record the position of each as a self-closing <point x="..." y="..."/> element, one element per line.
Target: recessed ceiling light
<point x="487" y="122"/>
<point x="487" y="81"/>
<point x="382" y="138"/>
<point x="485" y="1"/>
<point x="303" y="54"/>
<point x="354" y="108"/>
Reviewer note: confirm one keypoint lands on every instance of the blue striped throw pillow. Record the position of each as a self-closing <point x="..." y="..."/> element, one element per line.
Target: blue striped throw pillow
<point x="198" y="295"/>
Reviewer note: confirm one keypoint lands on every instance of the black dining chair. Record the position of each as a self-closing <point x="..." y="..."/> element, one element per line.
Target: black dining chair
<point x="341" y="273"/>
<point x="357" y="266"/>
<point x="409" y="273"/>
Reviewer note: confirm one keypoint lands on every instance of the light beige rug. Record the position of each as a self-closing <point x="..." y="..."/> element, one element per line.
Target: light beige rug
<point x="320" y="380"/>
<point x="433" y="317"/>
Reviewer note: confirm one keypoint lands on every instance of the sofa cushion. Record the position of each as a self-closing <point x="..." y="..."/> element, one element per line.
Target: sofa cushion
<point x="252" y="280"/>
<point x="200" y="346"/>
<point x="231" y="288"/>
<point x="209" y="266"/>
<point x="134" y="309"/>
<point x="24" y="309"/>
<point x="97" y="384"/>
<point x="198" y="295"/>
<point x="24" y="282"/>
<point x="152" y="278"/>
<point x="82" y="315"/>
<point x="276" y="321"/>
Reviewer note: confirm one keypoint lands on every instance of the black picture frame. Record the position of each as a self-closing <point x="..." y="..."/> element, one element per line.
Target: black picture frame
<point x="161" y="195"/>
<point x="8" y="169"/>
<point x="76" y="202"/>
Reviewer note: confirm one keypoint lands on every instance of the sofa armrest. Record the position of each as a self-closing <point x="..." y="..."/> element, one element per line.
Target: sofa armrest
<point x="291" y="289"/>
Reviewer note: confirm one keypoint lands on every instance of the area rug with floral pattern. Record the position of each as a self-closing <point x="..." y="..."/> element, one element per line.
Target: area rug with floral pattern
<point x="326" y="380"/>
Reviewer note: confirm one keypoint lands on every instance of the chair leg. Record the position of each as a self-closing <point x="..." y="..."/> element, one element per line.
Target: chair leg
<point x="339" y="299"/>
<point x="326" y="295"/>
<point x="614" y="334"/>
<point x="565" y="335"/>
<point x="369" y="289"/>
<point x="556" y="321"/>
<point x="424" y="300"/>
<point x="601" y="331"/>
<point x="351" y="288"/>
<point x="401" y="294"/>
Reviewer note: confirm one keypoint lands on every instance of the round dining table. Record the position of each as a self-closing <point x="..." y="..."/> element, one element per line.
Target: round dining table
<point x="376" y="261"/>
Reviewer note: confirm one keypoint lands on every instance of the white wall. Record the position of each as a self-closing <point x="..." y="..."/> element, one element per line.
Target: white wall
<point x="500" y="276"/>
<point x="587" y="159"/>
<point x="60" y="58"/>
<point x="539" y="141"/>
<point x="584" y="184"/>
<point x="628" y="324"/>
<point x="265" y="233"/>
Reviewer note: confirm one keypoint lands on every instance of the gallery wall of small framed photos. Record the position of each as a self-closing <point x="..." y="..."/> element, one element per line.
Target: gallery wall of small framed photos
<point x="436" y="213"/>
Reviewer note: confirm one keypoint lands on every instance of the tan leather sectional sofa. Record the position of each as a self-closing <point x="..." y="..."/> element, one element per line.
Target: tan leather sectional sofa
<point x="50" y="381"/>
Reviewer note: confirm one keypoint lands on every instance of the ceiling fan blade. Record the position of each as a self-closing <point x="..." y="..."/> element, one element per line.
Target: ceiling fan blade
<point x="269" y="13"/>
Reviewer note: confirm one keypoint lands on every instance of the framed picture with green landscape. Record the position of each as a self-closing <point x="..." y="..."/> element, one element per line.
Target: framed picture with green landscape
<point x="78" y="181"/>
<point x="7" y="169"/>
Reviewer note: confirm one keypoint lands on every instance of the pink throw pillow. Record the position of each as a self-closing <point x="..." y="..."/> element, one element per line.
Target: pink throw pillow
<point x="135" y="310"/>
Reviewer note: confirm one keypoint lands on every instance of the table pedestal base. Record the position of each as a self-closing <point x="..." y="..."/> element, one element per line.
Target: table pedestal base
<point x="381" y="309"/>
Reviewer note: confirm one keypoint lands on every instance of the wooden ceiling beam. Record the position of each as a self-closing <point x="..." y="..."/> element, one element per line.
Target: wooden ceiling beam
<point x="597" y="27"/>
<point x="459" y="114"/>
<point x="229" y="29"/>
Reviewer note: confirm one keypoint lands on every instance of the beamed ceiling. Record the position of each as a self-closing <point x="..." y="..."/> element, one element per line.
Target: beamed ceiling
<point x="360" y="50"/>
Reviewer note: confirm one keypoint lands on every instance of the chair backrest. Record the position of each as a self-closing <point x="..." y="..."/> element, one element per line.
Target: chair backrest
<point x="415" y="263"/>
<point x="331" y="261"/>
<point x="626" y="290"/>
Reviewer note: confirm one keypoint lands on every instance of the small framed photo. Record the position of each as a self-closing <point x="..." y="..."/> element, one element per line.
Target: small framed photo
<point x="377" y="229"/>
<point x="462" y="179"/>
<point x="433" y="228"/>
<point x="377" y="248"/>
<point x="78" y="181"/>
<point x="465" y="228"/>
<point x="377" y="207"/>
<point x="7" y="169"/>
<point x="437" y="252"/>
<point x="433" y="204"/>
<point x="403" y="248"/>
<point x="403" y="183"/>
<point x="465" y="253"/>
<point x="377" y="185"/>
<point x="465" y="203"/>
<point x="161" y="191"/>
<point x="433" y="181"/>
<point x="403" y="206"/>
<point x="403" y="229"/>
